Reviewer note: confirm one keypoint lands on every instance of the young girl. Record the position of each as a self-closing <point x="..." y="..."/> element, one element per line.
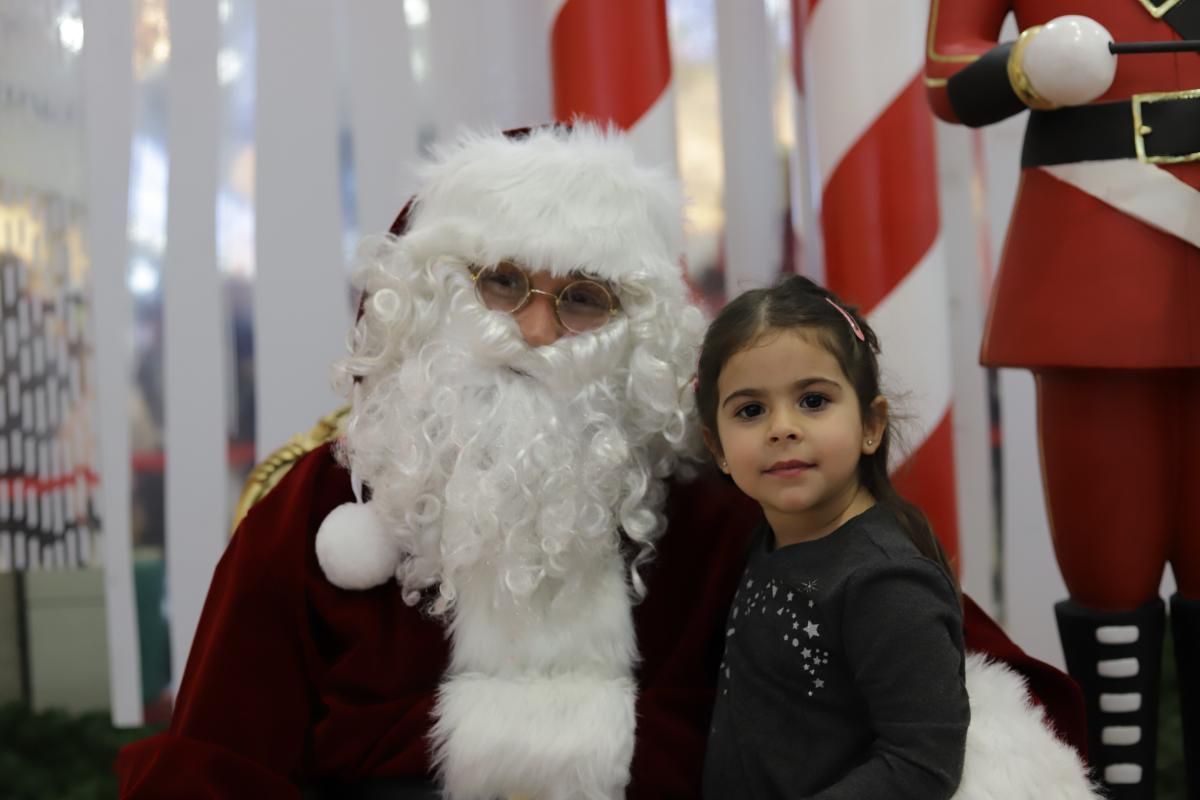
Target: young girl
<point x="843" y="674"/>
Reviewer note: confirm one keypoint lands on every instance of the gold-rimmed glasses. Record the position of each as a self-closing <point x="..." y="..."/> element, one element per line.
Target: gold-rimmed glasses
<point x="582" y="305"/>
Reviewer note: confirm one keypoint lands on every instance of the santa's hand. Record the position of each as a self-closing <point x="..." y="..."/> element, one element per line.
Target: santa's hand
<point x="1065" y="62"/>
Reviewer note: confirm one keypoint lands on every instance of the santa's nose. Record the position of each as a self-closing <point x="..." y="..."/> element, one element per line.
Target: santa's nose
<point x="538" y="323"/>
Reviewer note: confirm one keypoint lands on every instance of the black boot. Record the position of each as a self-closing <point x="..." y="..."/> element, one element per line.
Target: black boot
<point x="1116" y="657"/>
<point x="1185" y="630"/>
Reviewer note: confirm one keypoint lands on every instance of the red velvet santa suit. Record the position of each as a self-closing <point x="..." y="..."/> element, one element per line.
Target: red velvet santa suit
<point x="1099" y="294"/>
<point x="291" y="678"/>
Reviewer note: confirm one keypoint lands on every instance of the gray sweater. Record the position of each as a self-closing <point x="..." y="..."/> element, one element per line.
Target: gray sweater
<point x="843" y="672"/>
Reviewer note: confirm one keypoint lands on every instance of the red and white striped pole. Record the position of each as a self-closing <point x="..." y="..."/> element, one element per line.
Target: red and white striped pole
<point x="876" y="163"/>
<point x="611" y="62"/>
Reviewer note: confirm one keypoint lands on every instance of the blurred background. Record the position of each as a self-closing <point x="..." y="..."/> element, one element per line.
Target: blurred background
<point x="182" y="184"/>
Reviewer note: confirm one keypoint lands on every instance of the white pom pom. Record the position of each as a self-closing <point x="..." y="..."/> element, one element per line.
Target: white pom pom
<point x="1068" y="62"/>
<point x="353" y="548"/>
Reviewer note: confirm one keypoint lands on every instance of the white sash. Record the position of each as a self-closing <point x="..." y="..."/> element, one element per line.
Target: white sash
<point x="1142" y="191"/>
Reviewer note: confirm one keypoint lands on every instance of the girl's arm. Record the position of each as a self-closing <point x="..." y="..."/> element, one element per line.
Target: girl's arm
<point x="902" y="631"/>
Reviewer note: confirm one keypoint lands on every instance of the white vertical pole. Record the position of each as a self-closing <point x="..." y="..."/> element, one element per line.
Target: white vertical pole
<point x="805" y="183"/>
<point x="754" y="181"/>
<point x="301" y="296"/>
<point x="383" y="110"/>
<point x="490" y="65"/>
<point x="961" y="222"/>
<point x="194" y="322"/>
<point x="108" y="126"/>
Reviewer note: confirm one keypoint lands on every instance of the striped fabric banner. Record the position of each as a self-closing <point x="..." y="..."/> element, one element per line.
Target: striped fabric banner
<point x="876" y="163"/>
<point x="47" y="476"/>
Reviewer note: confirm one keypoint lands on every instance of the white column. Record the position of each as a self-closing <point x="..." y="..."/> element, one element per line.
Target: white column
<point x="965" y="227"/>
<point x="489" y="64"/>
<point x="754" y="180"/>
<point x="383" y="113"/>
<point x="194" y="322"/>
<point x="804" y="180"/>
<point x="301" y="295"/>
<point x="108" y="126"/>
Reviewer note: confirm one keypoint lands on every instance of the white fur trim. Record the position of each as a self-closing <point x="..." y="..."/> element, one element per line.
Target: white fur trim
<point x="553" y="200"/>
<point x="1012" y="753"/>
<point x="563" y="738"/>
<point x="353" y="548"/>
<point x="559" y="629"/>
<point x="540" y="698"/>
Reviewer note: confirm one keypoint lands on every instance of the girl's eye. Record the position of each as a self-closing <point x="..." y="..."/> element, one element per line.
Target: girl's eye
<point x="750" y="411"/>
<point x="813" y="402"/>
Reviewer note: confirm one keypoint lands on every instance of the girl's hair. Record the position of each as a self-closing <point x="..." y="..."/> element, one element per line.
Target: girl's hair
<point x="797" y="302"/>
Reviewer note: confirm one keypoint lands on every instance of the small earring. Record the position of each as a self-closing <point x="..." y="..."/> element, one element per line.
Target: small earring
<point x="724" y="464"/>
<point x="869" y="442"/>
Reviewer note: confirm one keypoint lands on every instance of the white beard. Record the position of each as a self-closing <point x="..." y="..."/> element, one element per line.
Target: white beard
<point x="508" y="491"/>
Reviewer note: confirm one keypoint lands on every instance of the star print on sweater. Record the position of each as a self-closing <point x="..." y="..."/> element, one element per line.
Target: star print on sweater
<point x="789" y="611"/>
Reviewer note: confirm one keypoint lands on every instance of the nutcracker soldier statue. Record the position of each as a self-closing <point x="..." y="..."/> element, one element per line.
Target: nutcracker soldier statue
<point x="1099" y="296"/>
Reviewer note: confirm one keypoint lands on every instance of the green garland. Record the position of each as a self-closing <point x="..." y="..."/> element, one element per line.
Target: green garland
<point x="53" y="755"/>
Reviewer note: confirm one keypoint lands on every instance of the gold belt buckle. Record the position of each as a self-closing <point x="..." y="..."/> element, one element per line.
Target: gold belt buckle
<point x="1142" y="130"/>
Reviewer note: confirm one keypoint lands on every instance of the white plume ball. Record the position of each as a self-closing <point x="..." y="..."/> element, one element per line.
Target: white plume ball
<point x="354" y="550"/>
<point x="1068" y="62"/>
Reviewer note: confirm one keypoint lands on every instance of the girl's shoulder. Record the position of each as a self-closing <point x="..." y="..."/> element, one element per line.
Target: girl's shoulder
<point x="884" y="552"/>
<point x="879" y="534"/>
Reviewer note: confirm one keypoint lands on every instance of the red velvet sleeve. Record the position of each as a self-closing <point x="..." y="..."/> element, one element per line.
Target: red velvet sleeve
<point x="241" y="721"/>
<point x="679" y="628"/>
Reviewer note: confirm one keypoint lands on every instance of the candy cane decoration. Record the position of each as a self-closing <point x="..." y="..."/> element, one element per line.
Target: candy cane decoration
<point x="611" y="62"/>
<point x="877" y="167"/>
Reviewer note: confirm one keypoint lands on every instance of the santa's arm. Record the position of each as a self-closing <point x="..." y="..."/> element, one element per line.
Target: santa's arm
<point x="241" y="717"/>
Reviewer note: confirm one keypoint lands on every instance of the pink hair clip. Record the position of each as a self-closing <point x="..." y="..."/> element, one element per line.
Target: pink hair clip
<point x="853" y="325"/>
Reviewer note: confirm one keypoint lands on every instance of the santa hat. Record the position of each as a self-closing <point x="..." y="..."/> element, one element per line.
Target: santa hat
<point x="558" y="198"/>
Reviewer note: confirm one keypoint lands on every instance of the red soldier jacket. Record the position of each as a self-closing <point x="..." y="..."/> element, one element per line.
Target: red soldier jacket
<point x="1085" y="281"/>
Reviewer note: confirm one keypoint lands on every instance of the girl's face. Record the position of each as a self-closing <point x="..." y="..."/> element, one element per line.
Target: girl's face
<point x="790" y="433"/>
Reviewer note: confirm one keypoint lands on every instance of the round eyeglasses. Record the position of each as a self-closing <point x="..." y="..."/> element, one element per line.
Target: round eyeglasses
<point x="582" y="305"/>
